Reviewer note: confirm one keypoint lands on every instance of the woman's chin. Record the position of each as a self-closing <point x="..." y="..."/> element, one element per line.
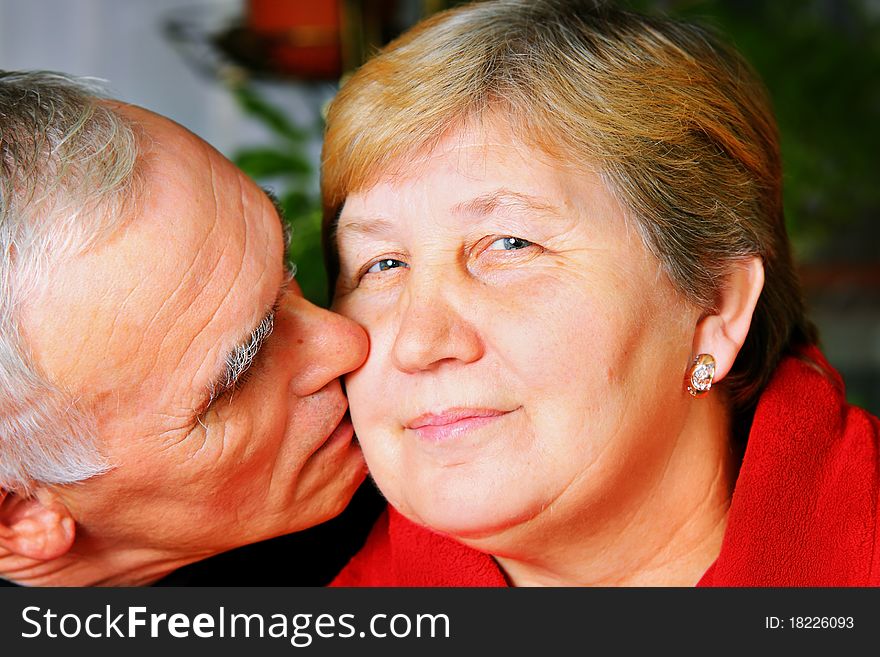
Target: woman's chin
<point x="471" y="525"/>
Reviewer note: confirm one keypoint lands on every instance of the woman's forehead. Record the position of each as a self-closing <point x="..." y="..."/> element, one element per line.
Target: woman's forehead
<point x="487" y="151"/>
<point x="477" y="134"/>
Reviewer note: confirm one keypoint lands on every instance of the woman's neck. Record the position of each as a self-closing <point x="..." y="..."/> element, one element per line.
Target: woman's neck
<point x="666" y="534"/>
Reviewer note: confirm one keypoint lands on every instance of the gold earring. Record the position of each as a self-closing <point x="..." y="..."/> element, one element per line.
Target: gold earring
<point x="700" y="375"/>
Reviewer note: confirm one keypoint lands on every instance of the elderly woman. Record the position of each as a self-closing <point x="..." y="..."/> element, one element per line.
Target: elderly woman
<point x="562" y="226"/>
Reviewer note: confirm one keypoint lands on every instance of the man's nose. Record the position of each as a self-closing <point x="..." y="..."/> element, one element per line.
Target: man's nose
<point x="323" y="345"/>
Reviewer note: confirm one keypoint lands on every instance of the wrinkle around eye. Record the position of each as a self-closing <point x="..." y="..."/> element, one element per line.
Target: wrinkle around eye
<point x="178" y="434"/>
<point x="388" y="265"/>
<point x="485" y="260"/>
<point x="197" y="437"/>
<point x="509" y="241"/>
<point x="381" y="280"/>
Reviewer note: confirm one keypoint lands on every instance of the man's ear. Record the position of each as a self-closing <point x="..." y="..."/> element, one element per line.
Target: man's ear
<point x="38" y="527"/>
<point x="723" y="332"/>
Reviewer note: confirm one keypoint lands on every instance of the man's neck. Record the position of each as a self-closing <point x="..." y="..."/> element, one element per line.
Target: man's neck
<point x="72" y="569"/>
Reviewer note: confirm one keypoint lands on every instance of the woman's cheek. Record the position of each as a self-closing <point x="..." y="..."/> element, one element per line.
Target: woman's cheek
<point x="371" y="402"/>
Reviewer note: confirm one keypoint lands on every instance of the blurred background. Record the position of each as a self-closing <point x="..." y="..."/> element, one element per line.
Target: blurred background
<point x="252" y="76"/>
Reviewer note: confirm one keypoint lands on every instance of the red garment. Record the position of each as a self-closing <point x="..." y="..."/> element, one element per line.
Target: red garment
<point x="803" y="513"/>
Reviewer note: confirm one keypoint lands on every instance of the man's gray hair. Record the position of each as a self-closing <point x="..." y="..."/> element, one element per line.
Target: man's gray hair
<point x="67" y="169"/>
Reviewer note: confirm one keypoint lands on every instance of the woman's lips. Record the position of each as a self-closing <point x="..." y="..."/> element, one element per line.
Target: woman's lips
<point x="452" y="423"/>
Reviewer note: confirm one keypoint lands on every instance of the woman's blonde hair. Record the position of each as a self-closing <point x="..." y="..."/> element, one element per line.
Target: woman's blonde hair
<point x="676" y="121"/>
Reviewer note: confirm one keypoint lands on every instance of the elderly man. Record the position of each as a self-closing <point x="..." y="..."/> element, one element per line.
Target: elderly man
<point x="167" y="393"/>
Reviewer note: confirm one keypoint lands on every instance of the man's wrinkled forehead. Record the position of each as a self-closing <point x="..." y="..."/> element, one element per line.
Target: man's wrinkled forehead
<point x="182" y="281"/>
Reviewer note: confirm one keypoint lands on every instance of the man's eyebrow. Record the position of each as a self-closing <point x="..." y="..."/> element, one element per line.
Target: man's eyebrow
<point x="242" y="355"/>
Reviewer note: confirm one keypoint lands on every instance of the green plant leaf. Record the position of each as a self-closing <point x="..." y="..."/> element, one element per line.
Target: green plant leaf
<point x="273" y="118"/>
<point x="263" y="162"/>
<point x="305" y="250"/>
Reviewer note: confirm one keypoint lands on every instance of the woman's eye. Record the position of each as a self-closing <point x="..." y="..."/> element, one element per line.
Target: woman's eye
<point x="385" y="264"/>
<point x="509" y="244"/>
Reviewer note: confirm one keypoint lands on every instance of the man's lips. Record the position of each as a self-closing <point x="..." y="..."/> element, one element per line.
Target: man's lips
<point x="453" y="422"/>
<point x="341" y="435"/>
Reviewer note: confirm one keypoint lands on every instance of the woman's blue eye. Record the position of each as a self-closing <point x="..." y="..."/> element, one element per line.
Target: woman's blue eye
<point x="385" y="264"/>
<point x="509" y="244"/>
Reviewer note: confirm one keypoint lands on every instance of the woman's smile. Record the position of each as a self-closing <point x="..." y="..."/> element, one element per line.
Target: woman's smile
<point x="453" y="422"/>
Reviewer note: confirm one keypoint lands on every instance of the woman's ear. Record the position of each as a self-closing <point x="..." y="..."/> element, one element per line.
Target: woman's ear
<point x="723" y="332"/>
<point x="38" y="527"/>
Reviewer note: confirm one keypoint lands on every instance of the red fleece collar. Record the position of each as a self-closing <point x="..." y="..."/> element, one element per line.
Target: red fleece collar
<point x="803" y="513"/>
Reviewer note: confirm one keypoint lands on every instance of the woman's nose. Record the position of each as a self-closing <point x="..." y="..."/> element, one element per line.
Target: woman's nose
<point x="433" y="331"/>
<point x="323" y="345"/>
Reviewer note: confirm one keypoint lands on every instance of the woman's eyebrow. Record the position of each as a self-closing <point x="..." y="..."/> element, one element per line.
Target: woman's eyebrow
<point x="504" y="199"/>
<point x="482" y="205"/>
<point x="365" y="226"/>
